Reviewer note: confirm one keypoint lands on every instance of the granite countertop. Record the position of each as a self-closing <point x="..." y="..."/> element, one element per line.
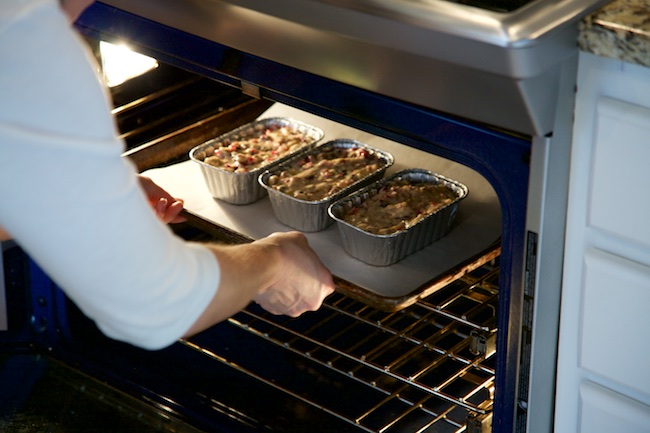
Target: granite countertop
<point x="620" y="30"/>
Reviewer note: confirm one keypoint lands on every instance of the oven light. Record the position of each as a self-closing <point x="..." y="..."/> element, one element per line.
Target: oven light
<point x="120" y="63"/>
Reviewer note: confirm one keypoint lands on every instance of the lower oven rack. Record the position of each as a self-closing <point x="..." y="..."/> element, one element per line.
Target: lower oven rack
<point x="426" y="368"/>
<point x="420" y="367"/>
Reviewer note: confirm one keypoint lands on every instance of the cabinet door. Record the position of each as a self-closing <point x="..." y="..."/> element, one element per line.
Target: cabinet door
<point x="604" y="411"/>
<point x="620" y="192"/>
<point x="616" y="296"/>
<point x="603" y="379"/>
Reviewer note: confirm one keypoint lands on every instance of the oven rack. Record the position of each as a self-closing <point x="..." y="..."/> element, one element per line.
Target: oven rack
<point x="428" y="367"/>
<point x="426" y="361"/>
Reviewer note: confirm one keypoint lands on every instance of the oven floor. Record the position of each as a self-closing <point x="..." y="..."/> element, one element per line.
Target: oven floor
<point x="96" y="385"/>
<point x="41" y="395"/>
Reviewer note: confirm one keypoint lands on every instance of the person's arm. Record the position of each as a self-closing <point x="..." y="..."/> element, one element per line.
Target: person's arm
<point x="76" y="206"/>
<point x="280" y="272"/>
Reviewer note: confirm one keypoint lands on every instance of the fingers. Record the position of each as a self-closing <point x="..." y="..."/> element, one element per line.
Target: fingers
<point x="173" y="212"/>
<point x="166" y="207"/>
<point x="303" y="283"/>
<point x="160" y="207"/>
<point x="277" y="302"/>
<point x="4" y="235"/>
<point x="169" y="213"/>
<point x="294" y="305"/>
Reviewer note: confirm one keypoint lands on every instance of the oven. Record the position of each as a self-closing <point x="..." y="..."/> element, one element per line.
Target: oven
<point x="483" y="87"/>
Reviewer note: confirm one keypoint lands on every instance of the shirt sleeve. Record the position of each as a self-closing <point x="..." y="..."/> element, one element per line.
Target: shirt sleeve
<point x="74" y="203"/>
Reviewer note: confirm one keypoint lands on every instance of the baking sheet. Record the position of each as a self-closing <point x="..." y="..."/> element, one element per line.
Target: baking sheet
<point x="477" y="226"/>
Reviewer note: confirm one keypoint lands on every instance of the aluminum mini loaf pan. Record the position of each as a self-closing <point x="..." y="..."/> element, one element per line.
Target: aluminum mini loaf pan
<point x="312" y="216"/>
<point x="384" y="250"/>
<point x="244" y="188"/>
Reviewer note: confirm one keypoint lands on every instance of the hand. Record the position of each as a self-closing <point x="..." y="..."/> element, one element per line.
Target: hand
<point x="166" y="207"/>
<point x="280" y="272"/>
<point x="4" y="235"/>
<point x="302" y="283"/>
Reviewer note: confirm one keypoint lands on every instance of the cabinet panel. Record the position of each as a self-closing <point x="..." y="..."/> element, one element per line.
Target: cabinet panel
<point x="604" y="411"/>
<point x="620" y="177"/>
<point x="616" y="300"/>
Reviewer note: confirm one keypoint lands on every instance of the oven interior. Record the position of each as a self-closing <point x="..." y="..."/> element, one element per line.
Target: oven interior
<point x="347" y="367"/>
<point x="429" y="367"/>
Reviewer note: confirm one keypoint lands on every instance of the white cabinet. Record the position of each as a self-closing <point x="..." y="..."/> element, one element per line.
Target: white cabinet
<point x="602" y="410"/>
<point x="603" y="375"/>
<point x="613" y="321"/>
<point x="620" y="199"/>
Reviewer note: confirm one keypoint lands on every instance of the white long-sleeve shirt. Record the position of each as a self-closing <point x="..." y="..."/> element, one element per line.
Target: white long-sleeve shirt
<point x="72" y="202"/>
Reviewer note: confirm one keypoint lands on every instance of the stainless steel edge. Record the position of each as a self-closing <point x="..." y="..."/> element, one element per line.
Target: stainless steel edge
<point x="499" y="69"/>
<point x="521" y="27"/>
<point x="284" y="30"/>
